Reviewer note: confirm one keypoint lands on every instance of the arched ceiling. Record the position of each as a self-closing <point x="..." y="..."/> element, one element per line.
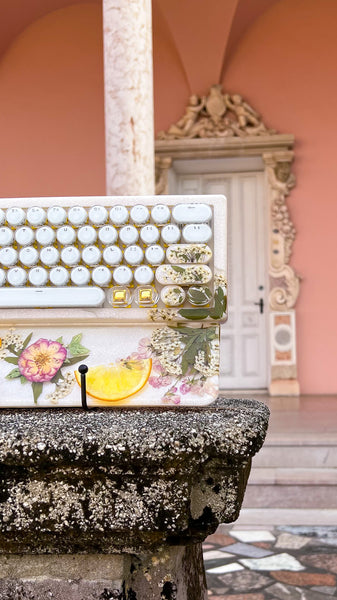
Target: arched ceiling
<point x="16" y="15"/>
<point x="204" y="33"/>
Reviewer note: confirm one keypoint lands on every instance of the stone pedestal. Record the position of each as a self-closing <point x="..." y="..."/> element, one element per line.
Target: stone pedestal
<point x="115" y="503"/>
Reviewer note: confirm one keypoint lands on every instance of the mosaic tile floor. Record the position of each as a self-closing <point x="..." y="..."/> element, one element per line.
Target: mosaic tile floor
<point x="284" y="563"/>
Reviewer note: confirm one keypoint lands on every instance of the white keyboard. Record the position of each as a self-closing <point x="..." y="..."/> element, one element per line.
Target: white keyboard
<point x="107" y="252"/>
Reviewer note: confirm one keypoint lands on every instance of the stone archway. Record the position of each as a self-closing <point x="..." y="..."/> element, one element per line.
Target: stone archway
<point x="224" y="125"/>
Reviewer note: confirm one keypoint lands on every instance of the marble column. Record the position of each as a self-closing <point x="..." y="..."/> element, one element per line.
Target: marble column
<point x="128" y="97"/>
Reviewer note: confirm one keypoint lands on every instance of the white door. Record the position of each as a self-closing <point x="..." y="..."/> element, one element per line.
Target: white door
<point x="243" y="362"/>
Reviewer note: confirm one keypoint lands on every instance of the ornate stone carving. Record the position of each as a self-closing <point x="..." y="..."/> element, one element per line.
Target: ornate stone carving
<point x="284" y="284"/>
<point x="162" y="165"/>
<point x="217" y="115"/>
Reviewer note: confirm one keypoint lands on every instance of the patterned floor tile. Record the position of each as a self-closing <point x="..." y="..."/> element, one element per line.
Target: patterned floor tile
<point x="247" y="550"/>
<point x="243" y="597"/>
<point x="225" y="568"/>
<point x="287" y="592"/>
<point x="291" y="542"/>
<point x="277" y="562"/>
<point x="245" y="581"/>
<point x="222" y="540"/>
<point x="216" y="554"/>
<point x="253" y="536"/>
<point x="325" y="589"/>
<point x="304" y="578"/>
<point x="321" y="561"/>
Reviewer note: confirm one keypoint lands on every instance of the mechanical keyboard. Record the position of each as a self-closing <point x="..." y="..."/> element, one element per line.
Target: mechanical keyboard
<point x="108" y="264"/>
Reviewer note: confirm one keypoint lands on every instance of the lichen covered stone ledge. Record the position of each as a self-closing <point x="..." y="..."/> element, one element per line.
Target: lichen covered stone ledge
<point x="143" y="487"/>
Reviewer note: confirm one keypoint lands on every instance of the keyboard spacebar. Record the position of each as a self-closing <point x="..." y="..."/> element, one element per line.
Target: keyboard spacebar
<point x="51" y="297"/>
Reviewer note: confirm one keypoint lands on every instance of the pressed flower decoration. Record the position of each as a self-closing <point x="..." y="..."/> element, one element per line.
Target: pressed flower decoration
<point x="42" y="362"/>
<point x="184" y="360"/>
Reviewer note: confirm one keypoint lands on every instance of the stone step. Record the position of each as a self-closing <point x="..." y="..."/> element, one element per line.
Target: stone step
<point x="292" y="456"/>
<point x="291" y="496"/>
<point x="251" y="518"/>
<point x="296" y="476"/>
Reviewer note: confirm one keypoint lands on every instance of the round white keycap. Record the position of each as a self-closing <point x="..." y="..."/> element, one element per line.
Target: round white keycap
<point x="101" y="275"/>
<point x="15" y="216"/>
<point x="91" y="255"/>
<point x="66" y="235"/>
<point x="139" y="214"/>
<point x="192" y="213"/>
<point x="119" y="215"/>
<point x="149" y="234"/>
<point x="38" y="276"/>
<point x="122" y="275"/>
<point x="112" y="255"/>
<point x="128" y="235"/>
<point x="59" y="276"/>
<point x="6" y="236"/>
<point x="80" y="275"/>
<point x="98" y="215"/>
<point x="107" y="234"/>
<point x="2" y="277"/>
<point x="143" y="275"/>
<point x="197" y="233"/>
<point x="29" y="256"/>
<point x="24" y="236"/>
<point x="17" y="276"/>
<point x="170" y="234"/>
<point x="49" y="256"/>
<point x="2" y="216"/>
<point x="45" y="236"/>
<point x="70" y="256"/>
<point x="87" y="235"/>
<point x="154" y="255"/>
<point x="36" y="216"/>
<point x="133" y="255"/>
<point x="56" y="215"/>
<point x="77" y="215"/>
<point x="160" y="214"/>
<point x="8" y="257"/>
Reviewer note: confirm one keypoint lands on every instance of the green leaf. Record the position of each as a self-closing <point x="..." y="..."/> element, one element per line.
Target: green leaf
<point x="13" y="374"/>
<point x="184" y="365"/>
<point x="75" y="347"/>
<point x="194" y="314"/>
<point x="12" y="350"/>
<point x="178" y="269"/>
<point x="57" y="377"/>
<point x="27" y="340"/>
<point x="75" y="359"/>
<point x="37" y="390"/>
<point x="224" y="304"/>
<point x="59" y="340"/>
<point x="23" y="379"/>
<point x="12" y="359"/>
<point x="219" y="292"/>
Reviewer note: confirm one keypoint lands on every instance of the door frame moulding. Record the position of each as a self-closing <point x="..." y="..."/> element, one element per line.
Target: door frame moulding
<point x="221" y="126"/>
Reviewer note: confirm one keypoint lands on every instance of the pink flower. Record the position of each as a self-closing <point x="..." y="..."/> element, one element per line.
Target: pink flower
<point x="158" y="382"/>
<point x="144" y="348"/>
<point x="210" y="389"/>
<point x="40" y="361"/>
<point x="171" y="398"/>
<point x="185" y="388"/>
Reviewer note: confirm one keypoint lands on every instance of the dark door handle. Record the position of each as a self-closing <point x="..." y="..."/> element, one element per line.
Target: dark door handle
<point x="260" y="303"/>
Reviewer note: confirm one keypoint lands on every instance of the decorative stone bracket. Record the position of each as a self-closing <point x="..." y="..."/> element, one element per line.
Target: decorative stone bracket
<point x="221" y="125"/>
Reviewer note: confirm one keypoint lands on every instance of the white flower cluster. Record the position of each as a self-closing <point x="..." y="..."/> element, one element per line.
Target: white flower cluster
<point x="189" y="253"/>
<point x="173" y="296"/>
<point x="168" y="346"/>
<point x="220" y="280"/>
<point x="162" y="314"/>
<point x="10" y="339"/>
<point x="208" y="368"/>
<point x="63" y="388"/>
<point x="185" y="276"/>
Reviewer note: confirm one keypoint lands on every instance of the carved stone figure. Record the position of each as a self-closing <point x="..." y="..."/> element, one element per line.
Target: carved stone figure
<point x="216" y="115"/>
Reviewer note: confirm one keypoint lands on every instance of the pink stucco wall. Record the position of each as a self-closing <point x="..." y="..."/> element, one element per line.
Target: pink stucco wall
<point x="52" y="126"/>
<point x="51" y="107"/>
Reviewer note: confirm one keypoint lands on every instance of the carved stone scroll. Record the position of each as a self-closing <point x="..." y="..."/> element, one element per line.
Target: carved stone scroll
<point x="217" y="115"/>
<point x="284" y="282"/>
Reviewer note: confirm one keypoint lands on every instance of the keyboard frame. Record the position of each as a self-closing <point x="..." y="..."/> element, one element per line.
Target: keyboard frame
<point x="101" y="317"/>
